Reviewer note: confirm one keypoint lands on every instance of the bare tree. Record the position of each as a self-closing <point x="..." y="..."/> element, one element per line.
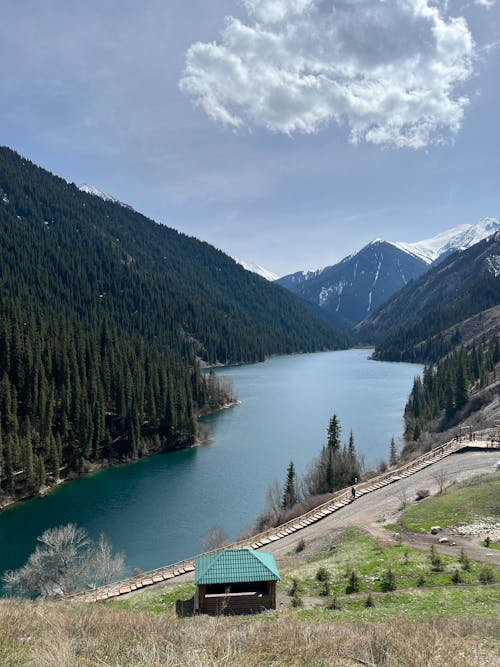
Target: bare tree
<point x="440" y="478"/>
<point x="213" y="538"/>
<point x="65" y="561"/>
<point x="403" y="497"/>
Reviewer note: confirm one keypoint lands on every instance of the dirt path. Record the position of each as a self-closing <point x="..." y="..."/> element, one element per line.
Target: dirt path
<point x="380" y="507"/>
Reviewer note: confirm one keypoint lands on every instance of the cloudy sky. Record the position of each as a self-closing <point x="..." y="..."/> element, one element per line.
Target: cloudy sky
<point x="285" y="132"/>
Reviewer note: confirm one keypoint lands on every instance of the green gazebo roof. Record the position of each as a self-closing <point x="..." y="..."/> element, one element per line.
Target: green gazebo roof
<point x="235" y="565"/>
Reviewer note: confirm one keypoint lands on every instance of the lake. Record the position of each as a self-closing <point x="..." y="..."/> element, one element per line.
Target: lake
<point x="157" y="510"/>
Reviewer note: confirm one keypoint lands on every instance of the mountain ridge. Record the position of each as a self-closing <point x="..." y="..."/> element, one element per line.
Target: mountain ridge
<point x="352" y="289"/>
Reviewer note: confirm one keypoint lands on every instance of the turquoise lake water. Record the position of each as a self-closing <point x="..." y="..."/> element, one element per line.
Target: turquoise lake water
<point x="157" y="510"/>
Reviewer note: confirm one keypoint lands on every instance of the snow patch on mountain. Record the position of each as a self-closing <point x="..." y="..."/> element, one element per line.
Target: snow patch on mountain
<point x="460" y="237"/>
<point x="258" y="269"/>
<point x="91" y="190"/>
<point x="493" y="265"/>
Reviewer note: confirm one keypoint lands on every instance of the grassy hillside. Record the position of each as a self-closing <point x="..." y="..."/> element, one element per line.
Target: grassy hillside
<point x="462" y="503"/>
<point x="75" y="636"/>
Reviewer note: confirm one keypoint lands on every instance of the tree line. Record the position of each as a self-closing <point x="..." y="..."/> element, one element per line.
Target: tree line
<point x="445" y="387"/>
<point x="70" y="396"/>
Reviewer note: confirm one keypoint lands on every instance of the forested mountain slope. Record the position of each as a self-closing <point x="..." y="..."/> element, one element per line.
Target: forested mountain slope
<point x="414" y="324"/>
<point x="103" y="315"/>
<point x="76" y="253"/>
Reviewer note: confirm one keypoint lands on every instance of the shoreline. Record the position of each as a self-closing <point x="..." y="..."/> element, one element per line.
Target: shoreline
<point x="93" y="467"/>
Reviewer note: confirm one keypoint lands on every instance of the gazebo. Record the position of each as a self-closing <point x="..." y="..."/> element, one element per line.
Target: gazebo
<point x="235" y="581"/>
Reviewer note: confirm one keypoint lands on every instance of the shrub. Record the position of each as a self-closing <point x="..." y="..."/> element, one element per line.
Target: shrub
<point x="334" y="603"/>
<point x="297" y="601"/>
<point x="325" y="588"/>
<point x="456" y="577"/>
<point x="293" y="588"/>
<point x="369" y="602"/>
<point x="353" y="584"/>
<point x="322" y="574"/>
<point x="301" y="545"/>
<point x="486" y="575"/>
<point x="487" y="541"/>
<point x="464" y="561"/>
<point x="388" y="581"/>
<point x="421" y="494"/>
<point x="421" y="580"/>
<point x="436" y="560"/>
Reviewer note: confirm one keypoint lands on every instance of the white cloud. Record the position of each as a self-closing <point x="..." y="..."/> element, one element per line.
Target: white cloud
<point x="485" y="3"/>
<point x="388" y="71"/>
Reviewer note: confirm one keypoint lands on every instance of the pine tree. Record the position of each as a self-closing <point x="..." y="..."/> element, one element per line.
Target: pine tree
<point x="333" y="432"/>
<point x="393" y="455"/>
<point x="290" y="489"/>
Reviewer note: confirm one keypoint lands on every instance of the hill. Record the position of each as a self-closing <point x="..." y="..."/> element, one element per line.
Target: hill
<point x="415" y="324"/>
<point x="103" y="317"/>
<point x="79" y="254"/>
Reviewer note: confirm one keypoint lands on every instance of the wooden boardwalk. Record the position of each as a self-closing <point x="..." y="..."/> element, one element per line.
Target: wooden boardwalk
<point x="481" y="440"/>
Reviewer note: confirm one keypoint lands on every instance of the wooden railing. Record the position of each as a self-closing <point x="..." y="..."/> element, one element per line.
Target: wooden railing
<point x="484" y="439"/>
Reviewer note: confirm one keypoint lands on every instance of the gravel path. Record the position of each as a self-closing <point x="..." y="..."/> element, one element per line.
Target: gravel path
<point x="381" y="507"/>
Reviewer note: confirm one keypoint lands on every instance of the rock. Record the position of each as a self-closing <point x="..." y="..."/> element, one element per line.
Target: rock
<point x="435" y="530"/>
<point x="443" y="540"/>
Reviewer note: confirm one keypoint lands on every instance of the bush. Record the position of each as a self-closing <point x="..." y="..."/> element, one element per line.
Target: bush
<point x="464" y="561"/>
<point x="486" y="575"/>
<point x="421" y="494"/>
<point x="487" y="541"/>
<point x="436" y="560"/>
<point x="388" y="581"/>
<point x="369" y="602"/>
<point x="322" y="574"/>
<point x="293" y="588"/>
<point x="334" y="604"/>
<point x="421" y="580"/>
<point x="456" y="577"/>
<point x="296" y="601"/>
<point x="301" y="545"/>
<point x="325" y="588"/>
<point x="353" y="584"/>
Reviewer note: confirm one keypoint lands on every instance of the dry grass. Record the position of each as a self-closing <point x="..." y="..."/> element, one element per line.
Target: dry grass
<point x="77" y="635"/>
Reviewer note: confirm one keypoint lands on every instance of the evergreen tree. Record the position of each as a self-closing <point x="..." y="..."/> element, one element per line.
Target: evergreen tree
<point x="333" y="432"/>
<point x="393" y="454"/>
<point x="290" y="490"/>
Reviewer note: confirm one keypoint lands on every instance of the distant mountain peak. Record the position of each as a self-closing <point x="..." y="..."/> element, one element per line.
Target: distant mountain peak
<point x="460" y="237"/>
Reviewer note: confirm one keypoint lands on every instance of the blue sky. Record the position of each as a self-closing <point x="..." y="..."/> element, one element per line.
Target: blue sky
<point x="285" y="132"/>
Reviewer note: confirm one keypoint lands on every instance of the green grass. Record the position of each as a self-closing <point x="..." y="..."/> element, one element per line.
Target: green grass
<point x="165" y="601"/>
<point x="461" y="503"/>
<point x="358" y="551"/>
<point x="422" y="604"/>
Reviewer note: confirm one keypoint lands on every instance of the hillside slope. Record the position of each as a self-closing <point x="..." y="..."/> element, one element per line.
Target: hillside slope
<point x="103" y="316"/>
<point x="76" y="253"/>
<point x="411" y="325"/>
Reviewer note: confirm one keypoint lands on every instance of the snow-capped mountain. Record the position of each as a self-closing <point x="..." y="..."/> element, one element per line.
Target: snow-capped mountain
<point x="352" y="289"/>
<point x="456" y="238"/>
<point x="91" y="190"/>
<point x="258" y="269"/>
